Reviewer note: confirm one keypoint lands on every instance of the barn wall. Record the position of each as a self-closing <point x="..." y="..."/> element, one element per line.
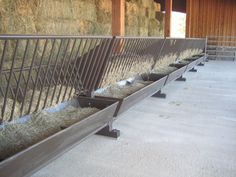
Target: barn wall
<point x="211" y="18"/>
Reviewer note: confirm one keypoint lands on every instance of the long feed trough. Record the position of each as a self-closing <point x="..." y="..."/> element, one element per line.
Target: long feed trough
<point x="41" y="80"/>
<point x="145" y="65"/>
<point x="57" y="90"/>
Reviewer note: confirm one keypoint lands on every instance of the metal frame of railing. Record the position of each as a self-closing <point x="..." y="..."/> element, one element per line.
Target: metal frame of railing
<point x="52" y="69"/>
<point x="221" y="47"/>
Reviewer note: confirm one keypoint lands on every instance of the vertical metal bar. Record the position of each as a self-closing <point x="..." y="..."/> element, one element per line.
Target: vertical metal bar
<point x="106" y="66"/>
<point x="66" y="80"/>
<point x="19" y="78"/>
<point x="54" y="70"/>
<point x="29" y="75"/>
<point x="9" y="79"/>
<point x="3" y="56"/>
<point x="130" y="58"/>
<point x="99" y="67"/>
<point x="87" y="67"/>
<point x="79" y="71"/>
<point x="113" y="50"/>
<point x="160" y="53"/>
<point x="132" y="55"/>
<point x="38" y="78"/>
<point x="61" y="68"/>
<point x="46" y="73"/>
<point x="95" y="64"/>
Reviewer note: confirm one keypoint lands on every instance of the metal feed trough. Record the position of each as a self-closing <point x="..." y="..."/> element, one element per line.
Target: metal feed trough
<point x="145" y="49"/>
<point x="37" y="72"/>
<point x="44" y="73"/>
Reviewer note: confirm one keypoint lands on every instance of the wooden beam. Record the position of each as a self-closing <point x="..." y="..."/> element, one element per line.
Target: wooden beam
<point x="168" y="12"/>
<point x="118" y="17"/>
<point x="188" y="17"/>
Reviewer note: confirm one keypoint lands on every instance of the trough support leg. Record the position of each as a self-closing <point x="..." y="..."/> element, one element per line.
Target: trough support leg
<point x="159" y="94"/>
<point x="181" y="78"/>
<point x="109" y="132"/>
<point x="201" y="64"/>
<point x="193" y="70"/>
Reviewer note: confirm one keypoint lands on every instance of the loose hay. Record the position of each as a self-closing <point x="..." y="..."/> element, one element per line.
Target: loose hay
<point x="140" y="65"/>
<point x="121" y="91"/>
<point x="8" y="109"/>
<point x="15" y="137"/>
<point x="59" y="89"/>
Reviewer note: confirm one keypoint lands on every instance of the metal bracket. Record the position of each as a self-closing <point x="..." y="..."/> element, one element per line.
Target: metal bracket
<point x="109" y="132"/>
<point x="159" y="94"/>
<point x="181" y="78"/>
<point x="201" y="64"/>
<point x="193" y="70"/>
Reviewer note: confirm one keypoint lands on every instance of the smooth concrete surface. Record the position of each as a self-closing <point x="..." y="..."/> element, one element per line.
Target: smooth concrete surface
<point x="191" y="133"/>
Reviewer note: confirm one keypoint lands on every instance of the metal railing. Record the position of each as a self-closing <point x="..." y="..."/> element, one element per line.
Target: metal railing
<point x="221" y="47"/>
<point x="41" y="71"/>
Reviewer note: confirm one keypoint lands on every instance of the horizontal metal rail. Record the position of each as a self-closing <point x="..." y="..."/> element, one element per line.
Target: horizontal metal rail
<point x="218" y="47"/>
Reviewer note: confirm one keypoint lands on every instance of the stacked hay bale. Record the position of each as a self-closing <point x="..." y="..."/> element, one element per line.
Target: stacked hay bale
<point x="82" y="17"/>
<point x="141" y="18"/>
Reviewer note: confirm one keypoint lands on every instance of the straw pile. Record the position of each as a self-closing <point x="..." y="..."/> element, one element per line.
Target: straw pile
<point x="36" y="98"/>
<point x="122" y="91"/>
<point x="162" y="65"/>
<point x="15" y="137"/>
<point x="189" y="53"/>
<point x="140" y="19"/>
<point x="55" y="17"/>
<point x="59" y="89"/>
<point x="139" y="65"/>
<point x="8" y="109"/>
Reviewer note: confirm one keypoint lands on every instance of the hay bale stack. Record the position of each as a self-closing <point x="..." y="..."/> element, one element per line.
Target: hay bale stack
<point x="55" y="17"/>
<point x="141" y="19"/>
<point x="15" y="137"/>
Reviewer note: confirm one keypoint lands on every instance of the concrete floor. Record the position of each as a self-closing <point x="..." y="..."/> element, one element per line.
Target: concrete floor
<point x="192" y="133"/>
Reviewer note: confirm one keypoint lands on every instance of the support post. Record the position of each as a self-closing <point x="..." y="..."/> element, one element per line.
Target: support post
<point x="201" y="64"/>
<point x="118" y="17"/>
<point x="159" y="94"/>
<point x="109" y="131"/>
<point x="168" y="13"/>
<point x="181" y="78"/>
<point x="188" y="18"/>
<point x="193" y="70"/>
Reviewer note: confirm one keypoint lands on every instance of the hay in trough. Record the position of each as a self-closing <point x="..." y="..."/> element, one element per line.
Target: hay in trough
<point x="15" y="137"/>
<point x="8" y="109"/>
<point x="121" y="91"/>
<point x="59" y="89"/>
<point x="164" y="70"/>
<point x="128" y="69"/>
